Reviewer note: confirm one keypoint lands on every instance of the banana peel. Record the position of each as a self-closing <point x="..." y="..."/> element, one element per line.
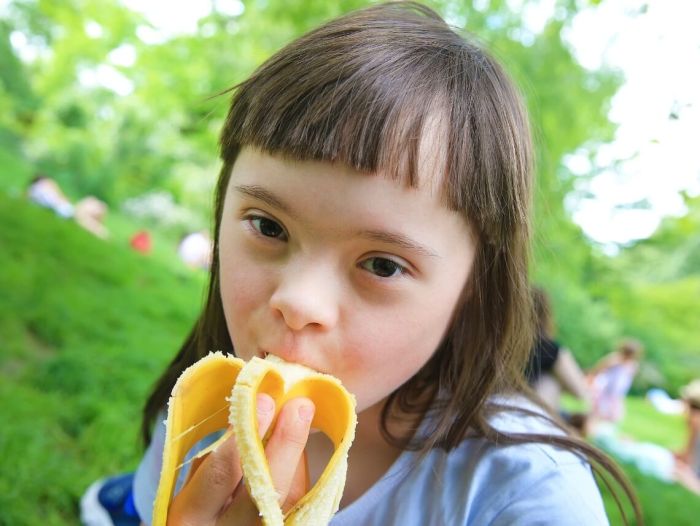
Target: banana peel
<point x="220" y="390"/>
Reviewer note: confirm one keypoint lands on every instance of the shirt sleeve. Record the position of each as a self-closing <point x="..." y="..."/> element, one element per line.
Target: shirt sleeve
<point x="567" y="496"/>
<point x="147" y="474"/>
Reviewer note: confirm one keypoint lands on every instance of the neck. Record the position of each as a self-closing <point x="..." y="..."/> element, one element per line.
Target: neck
<point x="369" y="459"/>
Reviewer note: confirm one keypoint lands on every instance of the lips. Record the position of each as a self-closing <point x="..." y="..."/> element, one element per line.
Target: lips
<point x="288" y="355"/>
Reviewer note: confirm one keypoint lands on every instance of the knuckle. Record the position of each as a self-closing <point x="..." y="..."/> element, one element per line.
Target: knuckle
<point x="220" y="474"/>
<point x="294" y="434"/>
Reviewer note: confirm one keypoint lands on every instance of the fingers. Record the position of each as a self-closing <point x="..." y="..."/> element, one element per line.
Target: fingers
<point x="300" y="484"/>
<point x="214" y="493"/>
<point x="285" y="448"/>
<point x="212" y="485"/>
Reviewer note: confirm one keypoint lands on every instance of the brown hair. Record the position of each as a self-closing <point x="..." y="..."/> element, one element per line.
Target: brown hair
<point x="362" y="90"/>
<point x="630" y="348"/>
<point x="544" y="322"/>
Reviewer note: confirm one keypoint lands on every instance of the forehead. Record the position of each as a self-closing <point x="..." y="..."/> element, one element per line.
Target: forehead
<point x="325" y="181"/>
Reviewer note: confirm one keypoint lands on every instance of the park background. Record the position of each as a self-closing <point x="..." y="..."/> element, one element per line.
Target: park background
<point x="94" y="96"/>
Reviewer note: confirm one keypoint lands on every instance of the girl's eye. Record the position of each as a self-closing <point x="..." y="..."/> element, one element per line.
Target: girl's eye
<point x="383" y="267"/>
<point x="268" y="227"/>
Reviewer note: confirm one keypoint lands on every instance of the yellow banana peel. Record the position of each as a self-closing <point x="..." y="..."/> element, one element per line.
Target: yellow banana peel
<point x="219" y="390"/>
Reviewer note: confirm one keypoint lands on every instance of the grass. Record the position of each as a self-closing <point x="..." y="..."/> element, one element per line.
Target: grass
<point x="662" y="502"/>
<point x="86" y="326"/>
<point x="643" y="422"/>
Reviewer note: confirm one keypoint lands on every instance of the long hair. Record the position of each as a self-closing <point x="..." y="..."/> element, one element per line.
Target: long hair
<point x="544" y="322"/>
<point x="365" y="90"/>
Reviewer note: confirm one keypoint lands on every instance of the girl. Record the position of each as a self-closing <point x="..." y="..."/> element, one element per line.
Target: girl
<point x="611" y="379"/>
<point x="372" y="223"/>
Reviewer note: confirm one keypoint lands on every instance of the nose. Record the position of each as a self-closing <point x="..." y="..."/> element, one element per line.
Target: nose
<point x="307" y="296"/>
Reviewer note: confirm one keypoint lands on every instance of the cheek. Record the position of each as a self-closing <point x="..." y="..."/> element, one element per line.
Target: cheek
<point x="242" y="296"/>
<point x="390" y="349"/>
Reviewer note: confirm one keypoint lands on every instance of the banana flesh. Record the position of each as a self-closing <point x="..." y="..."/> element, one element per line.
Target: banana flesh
<point x="220" y="390"/>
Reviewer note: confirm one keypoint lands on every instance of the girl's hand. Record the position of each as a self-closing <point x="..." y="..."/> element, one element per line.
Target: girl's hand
<point x="215" y="494"/>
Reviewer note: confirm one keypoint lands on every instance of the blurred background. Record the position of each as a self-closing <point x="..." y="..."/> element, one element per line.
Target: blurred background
<point x="109" y="115"/>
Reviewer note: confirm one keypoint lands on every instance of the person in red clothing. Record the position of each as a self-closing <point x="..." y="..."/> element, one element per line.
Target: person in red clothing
<point x="141" y="242"/>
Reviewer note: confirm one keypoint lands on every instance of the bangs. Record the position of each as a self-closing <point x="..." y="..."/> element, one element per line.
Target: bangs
<point x="359" y="91"/>
<point x="393" y="90"/>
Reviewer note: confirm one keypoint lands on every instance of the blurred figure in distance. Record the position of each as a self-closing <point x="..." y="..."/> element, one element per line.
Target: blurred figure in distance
<point x="611" y="379"/>
<point x="195" y="250"/>
<point x="552" y="368"/>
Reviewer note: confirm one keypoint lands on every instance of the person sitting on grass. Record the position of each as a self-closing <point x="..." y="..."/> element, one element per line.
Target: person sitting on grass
<point x="46" y="192"/>
<point x="89" y="212"/>
<point x="688" y="459"/>
<point x="611" y="379"/>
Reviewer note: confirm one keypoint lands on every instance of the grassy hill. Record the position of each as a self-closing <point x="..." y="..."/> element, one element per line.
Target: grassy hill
<point x="85" y="327"/>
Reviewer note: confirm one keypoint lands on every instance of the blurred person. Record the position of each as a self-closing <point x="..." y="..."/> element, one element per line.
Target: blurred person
<point x="611" y="379"/>
<point x="552" y="368"/>
<point x="90" y="213"/>
<point x="663" y="402"/>
<point x="195" y="250"/>
<point x="141" y="242"/>
<point x="46" y="192"/>
<point x="689" y="457"/>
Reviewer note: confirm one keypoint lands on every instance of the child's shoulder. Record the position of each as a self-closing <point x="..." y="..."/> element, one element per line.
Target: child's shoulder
<point x="528" y="482"/>
<point x="481" y="482"/>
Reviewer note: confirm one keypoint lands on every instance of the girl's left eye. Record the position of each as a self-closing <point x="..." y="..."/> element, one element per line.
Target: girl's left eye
<point x="383" y="267"/>
<point x="268" y="227"/>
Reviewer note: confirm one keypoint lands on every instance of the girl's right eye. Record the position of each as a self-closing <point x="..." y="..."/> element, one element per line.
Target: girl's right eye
<point x="267" y="227"/>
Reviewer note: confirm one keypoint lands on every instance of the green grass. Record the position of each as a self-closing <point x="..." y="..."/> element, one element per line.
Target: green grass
<point x="86" y="326"/>
<point x="643" y="422"/>
<point x="662" y="503"/>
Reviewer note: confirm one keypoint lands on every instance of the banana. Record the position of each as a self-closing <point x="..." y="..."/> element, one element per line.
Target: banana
<point x="220" y="390"/>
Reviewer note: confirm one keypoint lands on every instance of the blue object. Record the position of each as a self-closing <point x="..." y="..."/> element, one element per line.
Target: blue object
<point x="110" y="502"/>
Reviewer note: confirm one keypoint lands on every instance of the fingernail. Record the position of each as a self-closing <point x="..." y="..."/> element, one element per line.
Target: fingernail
<point x="306" y="412"/>
<point x="265" y="404"/>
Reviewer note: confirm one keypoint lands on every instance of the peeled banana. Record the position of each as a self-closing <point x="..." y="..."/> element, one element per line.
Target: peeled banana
<point x="219" y="390"/>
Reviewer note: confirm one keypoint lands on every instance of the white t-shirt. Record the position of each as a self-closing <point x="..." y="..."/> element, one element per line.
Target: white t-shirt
<point x="477" y="483"/>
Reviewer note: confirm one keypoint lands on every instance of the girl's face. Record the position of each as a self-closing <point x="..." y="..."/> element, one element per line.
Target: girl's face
<point x="347" y="273"/>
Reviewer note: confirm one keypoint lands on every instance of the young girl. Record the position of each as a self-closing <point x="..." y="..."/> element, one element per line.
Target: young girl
<point x="611" y="379"/>
<point x="372" y="223"/>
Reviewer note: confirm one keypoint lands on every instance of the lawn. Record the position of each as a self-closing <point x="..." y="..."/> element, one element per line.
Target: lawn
<point x="662" y="502"/>
<point x="85" y="327"/>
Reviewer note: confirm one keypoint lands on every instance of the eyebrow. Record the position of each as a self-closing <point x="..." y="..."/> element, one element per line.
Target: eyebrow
<point x="393" y="238"/>
<point x="264" y="195"/>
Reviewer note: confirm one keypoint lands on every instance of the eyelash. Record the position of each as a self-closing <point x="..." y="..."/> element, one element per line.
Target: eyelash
<point x="402" y="270"/>
<point x="255" y="220"/>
